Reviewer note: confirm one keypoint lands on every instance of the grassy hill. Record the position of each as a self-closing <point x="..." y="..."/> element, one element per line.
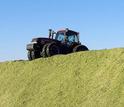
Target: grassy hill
<point x="84" y="79"/>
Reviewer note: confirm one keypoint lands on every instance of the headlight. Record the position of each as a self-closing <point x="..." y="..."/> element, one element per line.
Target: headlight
<point x="33" y="42"/>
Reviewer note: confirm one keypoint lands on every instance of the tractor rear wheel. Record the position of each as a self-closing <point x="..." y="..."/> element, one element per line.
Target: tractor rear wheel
<point x="52" y="49"/>
<point x="79" y="48"/>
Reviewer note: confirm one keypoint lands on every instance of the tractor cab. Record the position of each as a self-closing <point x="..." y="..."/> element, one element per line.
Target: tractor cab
<point x="65" y="36"/>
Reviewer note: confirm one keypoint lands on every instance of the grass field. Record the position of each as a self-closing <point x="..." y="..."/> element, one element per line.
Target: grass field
<point x="84" y="79"/>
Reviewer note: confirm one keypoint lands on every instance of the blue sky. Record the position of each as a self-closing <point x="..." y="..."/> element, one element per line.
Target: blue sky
<point x="100" y="23"/>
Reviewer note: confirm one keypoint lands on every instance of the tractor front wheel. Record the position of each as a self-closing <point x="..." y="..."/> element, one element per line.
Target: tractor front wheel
<point x="29" y="55"/>
<point x="44" y="53"/>
<point x="33" y="55"/>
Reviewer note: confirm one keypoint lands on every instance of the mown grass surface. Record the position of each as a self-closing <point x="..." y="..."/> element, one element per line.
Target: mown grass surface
<point x="84" y="79"/>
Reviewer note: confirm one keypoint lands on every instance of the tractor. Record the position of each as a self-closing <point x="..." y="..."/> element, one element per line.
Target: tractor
<point x="61" y="42"/>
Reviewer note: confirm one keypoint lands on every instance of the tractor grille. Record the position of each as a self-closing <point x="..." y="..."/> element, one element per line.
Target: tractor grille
<point x="31" y="46"/>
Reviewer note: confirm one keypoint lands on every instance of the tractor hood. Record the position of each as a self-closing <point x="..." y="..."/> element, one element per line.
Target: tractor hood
<point x="37" y="43"/>
<point x="44" y="40"/>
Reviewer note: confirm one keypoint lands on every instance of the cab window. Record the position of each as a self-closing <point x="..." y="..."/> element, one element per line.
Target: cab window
<point x="72" y="38"/>
<point x="60" y="36"/>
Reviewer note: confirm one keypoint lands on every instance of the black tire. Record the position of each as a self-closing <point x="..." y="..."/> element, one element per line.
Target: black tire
<point x="43" y="53"/>
<point x="52" y="49"/>
<point x="79" y="48"/>
<point x="33" y="55"/>
<point x="29" y="55"/>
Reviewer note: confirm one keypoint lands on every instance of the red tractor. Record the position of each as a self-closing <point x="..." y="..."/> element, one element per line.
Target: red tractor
<point x="61" y="42"/>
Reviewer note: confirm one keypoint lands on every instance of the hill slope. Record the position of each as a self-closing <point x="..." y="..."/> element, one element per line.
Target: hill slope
<point x="84" y="79"/>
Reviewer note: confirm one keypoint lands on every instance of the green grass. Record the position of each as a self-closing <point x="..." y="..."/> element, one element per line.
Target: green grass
<point x="84" y="79"/>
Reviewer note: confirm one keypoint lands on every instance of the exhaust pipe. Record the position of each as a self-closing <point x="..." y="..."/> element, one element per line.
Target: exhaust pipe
<point x="50" y="33"/>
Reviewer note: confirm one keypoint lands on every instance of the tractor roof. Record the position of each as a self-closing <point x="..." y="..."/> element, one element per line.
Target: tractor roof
<point x="68" y="30"/>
